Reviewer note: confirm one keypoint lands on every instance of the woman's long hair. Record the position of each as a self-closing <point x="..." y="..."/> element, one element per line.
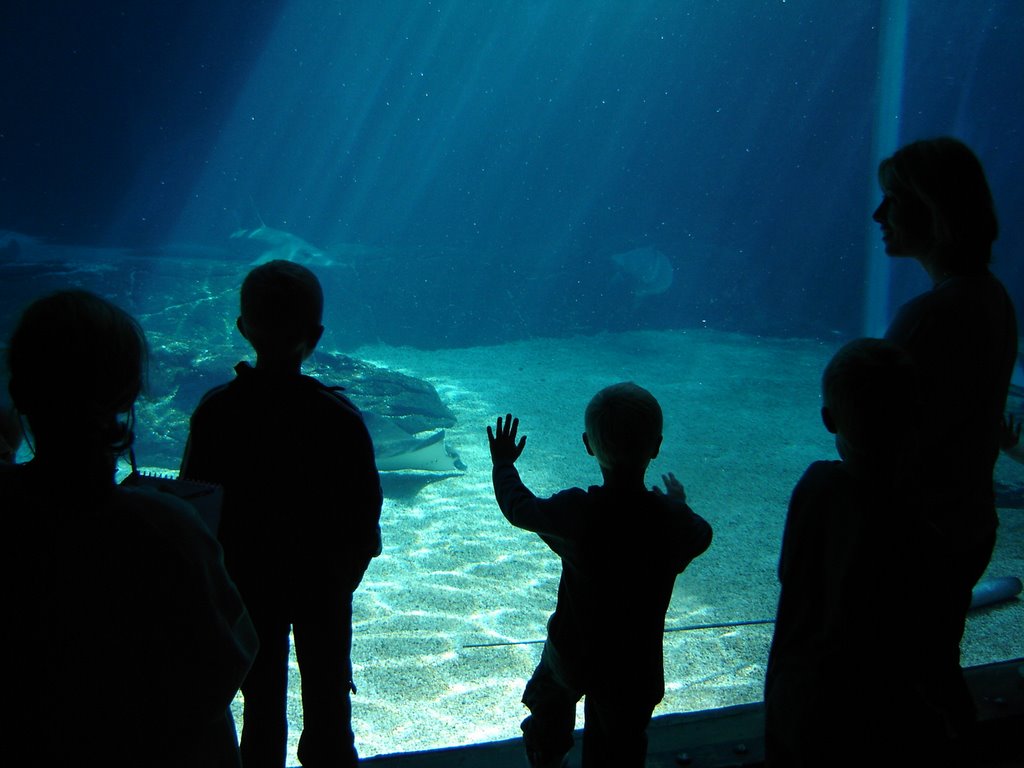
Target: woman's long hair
<point x="947" y="178"/>
<point x="76" y="363"/>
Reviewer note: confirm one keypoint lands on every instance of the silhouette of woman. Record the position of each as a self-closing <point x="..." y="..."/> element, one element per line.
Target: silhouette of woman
<point x="937" y="208"/>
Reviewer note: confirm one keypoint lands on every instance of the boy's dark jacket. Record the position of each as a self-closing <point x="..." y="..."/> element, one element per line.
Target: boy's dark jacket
<point x="302" y="494"/>
<point x="620" y="552"/>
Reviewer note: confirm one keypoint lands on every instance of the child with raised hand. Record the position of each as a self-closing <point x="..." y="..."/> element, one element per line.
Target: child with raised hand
<point x="621" y="547"/>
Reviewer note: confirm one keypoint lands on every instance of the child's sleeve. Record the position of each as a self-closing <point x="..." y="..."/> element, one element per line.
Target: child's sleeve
<point x="551" y="517"/>
<point x="370" y="497"/>
<point x="349" y="449"/>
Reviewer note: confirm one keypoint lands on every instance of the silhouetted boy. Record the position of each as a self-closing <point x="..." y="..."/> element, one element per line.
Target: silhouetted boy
<point x="857" y="672"/>
<point x="300" y="519"/>
<point x="621" y="547"/>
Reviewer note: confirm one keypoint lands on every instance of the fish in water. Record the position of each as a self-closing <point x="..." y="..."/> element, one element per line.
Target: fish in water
<point x="271" y="244"/>
<point x="647" y="270"/>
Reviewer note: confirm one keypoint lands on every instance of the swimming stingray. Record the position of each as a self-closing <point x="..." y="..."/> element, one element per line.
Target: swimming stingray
<point x="271" y="244"/>
<point x="646" y="270"/>
<point x="396" y="450"/>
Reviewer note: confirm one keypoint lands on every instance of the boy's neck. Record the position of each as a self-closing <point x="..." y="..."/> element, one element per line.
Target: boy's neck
<point x="624" y="479"/>
<point x="280" y="365"/>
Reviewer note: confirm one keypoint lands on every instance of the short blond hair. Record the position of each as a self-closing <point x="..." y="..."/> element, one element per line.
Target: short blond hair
<point x="281" y="303"/>
<point x="872" y="389"/>
<point x="623" y="424"/>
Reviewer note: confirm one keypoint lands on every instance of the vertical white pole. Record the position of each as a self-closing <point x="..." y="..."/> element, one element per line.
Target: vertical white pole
<point x="892" y="39"/>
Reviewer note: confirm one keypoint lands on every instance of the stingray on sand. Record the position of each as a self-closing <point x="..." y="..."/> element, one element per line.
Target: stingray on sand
<point x="397" y="450"/>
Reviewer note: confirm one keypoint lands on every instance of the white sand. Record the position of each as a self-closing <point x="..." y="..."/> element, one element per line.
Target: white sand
<point x="741" y="425"/>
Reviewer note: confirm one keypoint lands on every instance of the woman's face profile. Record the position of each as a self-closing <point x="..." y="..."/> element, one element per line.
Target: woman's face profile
<point x="905" y="221"/>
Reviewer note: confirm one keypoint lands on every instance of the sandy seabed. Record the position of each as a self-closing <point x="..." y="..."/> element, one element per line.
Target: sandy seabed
<point x="444" y="616"/>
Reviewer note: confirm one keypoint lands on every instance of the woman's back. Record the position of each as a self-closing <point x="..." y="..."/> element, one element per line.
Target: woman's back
<point x="133" y="640"/>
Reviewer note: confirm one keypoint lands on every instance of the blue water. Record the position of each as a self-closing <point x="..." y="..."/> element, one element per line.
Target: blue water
<point x="470" y="169"/>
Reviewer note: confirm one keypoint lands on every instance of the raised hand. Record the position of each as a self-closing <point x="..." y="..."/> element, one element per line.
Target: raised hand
<point x="673" y="488"/>
<point x="504" y="449"/>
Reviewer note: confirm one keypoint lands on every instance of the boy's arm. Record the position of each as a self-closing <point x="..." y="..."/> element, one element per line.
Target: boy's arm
<point x="188" y="459"/>
<point x="357" y="481"/>
<point x="547" y="517"/>
<point x="698" y="535"/>
<point x="194" y="462"/>
<point x="693" y="533"/>
<point x="517" y="502"/>
<point x="372" y="499"/>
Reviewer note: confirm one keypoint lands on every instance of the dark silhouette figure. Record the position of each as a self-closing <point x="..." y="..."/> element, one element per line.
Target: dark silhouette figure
<point x="856" y="667"/>
<point x="131" y="639"/>
<point x="1009" y="439"/>
<point x="300" y="519"/>
<point x="621" y="547"/>
<point x="10" y="432"/>
<point x="937" y="209"/>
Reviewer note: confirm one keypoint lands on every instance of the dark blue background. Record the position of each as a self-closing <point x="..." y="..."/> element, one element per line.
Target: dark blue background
<point x="494" y="155"/>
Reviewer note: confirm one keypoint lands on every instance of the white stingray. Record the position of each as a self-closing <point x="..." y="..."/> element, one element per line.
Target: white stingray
<point x="647" y="270"/>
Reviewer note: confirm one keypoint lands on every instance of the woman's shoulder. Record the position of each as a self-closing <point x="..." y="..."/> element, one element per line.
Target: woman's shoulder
<point x="960" y="291"/>
<point x="952" y="305"/>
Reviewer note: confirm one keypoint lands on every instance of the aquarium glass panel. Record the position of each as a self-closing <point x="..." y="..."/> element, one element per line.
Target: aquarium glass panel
<point x="511" y="204"/>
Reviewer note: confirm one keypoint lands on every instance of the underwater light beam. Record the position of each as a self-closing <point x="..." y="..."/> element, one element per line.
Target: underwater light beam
<point x="891" y="56"/>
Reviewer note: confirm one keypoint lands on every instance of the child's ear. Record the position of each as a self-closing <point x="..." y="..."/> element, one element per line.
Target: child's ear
<point x="311" y="341"/>
<point x="586" y="442"/>
<point x="828" y="421"/>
